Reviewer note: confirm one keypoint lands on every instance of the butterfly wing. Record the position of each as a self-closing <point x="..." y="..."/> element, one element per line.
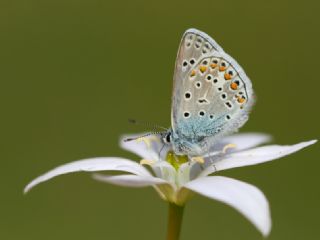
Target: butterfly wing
<point x="211" y="95"/>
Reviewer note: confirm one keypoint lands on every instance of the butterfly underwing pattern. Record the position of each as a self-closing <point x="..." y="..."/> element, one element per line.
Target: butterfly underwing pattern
<point x="211" y="97"/>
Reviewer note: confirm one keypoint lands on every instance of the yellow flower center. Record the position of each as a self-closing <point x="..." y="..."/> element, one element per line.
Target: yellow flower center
<point x="176" y="160"/>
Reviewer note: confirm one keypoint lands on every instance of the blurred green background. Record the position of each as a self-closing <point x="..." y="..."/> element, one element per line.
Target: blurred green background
<point x="73" y="71"/>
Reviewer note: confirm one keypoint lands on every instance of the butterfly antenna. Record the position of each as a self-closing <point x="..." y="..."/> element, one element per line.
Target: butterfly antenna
<point x="153" y="126"/>
<point x="142" y="136"/>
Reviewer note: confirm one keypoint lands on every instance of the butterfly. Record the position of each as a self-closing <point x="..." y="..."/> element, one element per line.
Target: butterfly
<point x="212" y="95"/>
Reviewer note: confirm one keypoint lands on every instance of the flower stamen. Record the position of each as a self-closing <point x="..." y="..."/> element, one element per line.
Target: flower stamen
<point x="198" y="159"/>
<point x="147" y="162"/>
<point x="228" y="146"/>
<point x="176" y="160"/>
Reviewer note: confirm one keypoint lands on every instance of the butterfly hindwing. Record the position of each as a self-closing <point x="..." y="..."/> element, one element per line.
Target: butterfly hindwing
<point x="212" y="94"/>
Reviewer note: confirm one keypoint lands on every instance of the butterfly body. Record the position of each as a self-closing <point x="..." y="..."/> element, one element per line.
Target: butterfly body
<point x="184" y="145"/>
<point x="211" y="97"/>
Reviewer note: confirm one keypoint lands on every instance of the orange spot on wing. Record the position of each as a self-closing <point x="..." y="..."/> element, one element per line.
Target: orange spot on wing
<point x="222" y="68"/>
<point x="203" y="69"/>
<point x="213" y="65"/>
<point x="227" y="76"/>
<point x="241" y="99"/>
<point x="234" y="86"/>
<point x="193" y="73"/>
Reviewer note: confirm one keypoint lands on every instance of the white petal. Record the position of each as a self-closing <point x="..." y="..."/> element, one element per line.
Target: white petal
<point x="92" y="165"/>
<point x="245" y="198"/>
<point x="130" y="180"/>
<point x="183" y="173"/>
<point x="254" y="156"/>
<point x="242" y="141"/>
<point x="164" y="170"/>
<point x="141" y="148"/>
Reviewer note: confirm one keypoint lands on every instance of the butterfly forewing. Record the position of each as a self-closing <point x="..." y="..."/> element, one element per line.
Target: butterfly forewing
<point x="212" y="94"/>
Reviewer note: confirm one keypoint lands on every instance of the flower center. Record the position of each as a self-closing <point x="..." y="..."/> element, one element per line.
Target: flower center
<point x="176" y="160"/>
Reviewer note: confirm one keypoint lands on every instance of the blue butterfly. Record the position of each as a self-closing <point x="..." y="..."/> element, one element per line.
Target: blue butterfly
<point x="211" y="98"/>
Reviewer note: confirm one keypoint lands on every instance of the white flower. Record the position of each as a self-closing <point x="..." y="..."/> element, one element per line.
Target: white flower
<point x="176" y="178"/>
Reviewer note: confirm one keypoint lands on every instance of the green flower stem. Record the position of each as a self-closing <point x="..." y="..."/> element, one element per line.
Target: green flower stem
<point x="174" y="221"/>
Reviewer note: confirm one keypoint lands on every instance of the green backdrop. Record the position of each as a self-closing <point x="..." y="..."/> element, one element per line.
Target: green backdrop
<point x="73" y="71"/>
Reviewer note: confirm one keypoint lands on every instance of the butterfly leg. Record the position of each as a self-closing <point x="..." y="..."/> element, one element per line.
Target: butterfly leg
<point x="228" y="146"/>
<point x="214" y="167"/>
<point x="208" y="153"/>
<point x="210" y="158"/>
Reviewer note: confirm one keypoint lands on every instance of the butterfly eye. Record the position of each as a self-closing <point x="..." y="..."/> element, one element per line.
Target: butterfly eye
<point x="168" y="137"/>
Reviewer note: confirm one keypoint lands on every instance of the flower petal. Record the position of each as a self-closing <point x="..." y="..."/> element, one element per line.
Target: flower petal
<point x="165" y="189"/>
<point x="147" y="147"/>
<point x="242" y="141"/>
<point x="254" y="156"/>
<point x="92" y="165"/>
<point x="164" y="170"/>
<point x="245" y="198"/>
<point x="130" y="180"/>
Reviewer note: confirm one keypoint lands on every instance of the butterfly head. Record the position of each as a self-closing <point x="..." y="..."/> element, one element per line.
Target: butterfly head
<point x="181" y="146"/>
